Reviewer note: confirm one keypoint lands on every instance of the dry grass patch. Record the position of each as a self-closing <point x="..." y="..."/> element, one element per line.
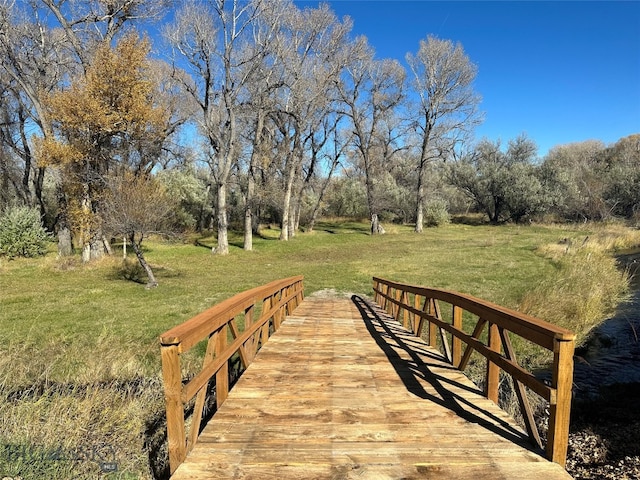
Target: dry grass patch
<point x="587" y="284"/>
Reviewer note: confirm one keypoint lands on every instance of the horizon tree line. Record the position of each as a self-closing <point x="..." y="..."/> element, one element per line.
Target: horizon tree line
<point x="248" y="112"/>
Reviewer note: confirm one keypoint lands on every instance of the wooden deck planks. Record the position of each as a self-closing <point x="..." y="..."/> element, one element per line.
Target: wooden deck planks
<point x="341" y="392"/>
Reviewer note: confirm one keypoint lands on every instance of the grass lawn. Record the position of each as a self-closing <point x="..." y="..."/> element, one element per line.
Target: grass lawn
<point x="80" y="357"/>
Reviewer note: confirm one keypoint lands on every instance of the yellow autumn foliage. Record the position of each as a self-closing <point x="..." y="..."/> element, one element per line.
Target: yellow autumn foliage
<point x="111" y="113"/>
<point x="115" y="98"/>
<point x="50" y="151"/>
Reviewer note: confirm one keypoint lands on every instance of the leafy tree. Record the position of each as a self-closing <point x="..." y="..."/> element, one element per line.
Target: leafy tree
<point x="502" y="184"/>
<point x="436" y="212"/>
<point x="22" y="233"/>
<point x="574" y="178"/>
<point x="189" y="188"/>
<point x="106" y="119"/>
<point x="43" y="44"/>
<point x="347" y="198"/>
<point x="622" y="166"/>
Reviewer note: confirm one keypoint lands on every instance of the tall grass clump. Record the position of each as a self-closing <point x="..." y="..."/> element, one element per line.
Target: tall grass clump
<point x="79" y="410"/>
<point x="587" y="284"/>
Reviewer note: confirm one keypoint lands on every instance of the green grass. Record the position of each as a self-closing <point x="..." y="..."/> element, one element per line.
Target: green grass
<point x="86" y="335"/>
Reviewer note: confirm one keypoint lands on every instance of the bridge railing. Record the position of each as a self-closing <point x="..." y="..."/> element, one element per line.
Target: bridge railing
<point x="239" y="325"/>
<point x="419" y="309"/>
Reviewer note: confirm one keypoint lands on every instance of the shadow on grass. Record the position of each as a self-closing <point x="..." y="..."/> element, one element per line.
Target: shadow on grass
<point x="131" y="271"/>
<point x="342" y="227"/>
<point x="473" y="220"/>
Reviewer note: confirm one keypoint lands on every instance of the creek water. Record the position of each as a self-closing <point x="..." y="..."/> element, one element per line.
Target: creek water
<point x="611" y="354"/>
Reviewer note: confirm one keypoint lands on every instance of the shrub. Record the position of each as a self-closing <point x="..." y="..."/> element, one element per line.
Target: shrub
<point x="436" y="213"/>
<point x="22" y="233"/>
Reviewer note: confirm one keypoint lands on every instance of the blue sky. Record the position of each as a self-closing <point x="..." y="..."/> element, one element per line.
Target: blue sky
<point x="561" y="72"/>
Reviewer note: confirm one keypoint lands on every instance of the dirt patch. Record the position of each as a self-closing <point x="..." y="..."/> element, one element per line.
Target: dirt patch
<point x="330" y="293"/>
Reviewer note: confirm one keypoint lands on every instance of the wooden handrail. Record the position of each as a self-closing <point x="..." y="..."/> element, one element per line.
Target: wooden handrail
<point x="419" y="307"/>
<point x="275" y="300"/>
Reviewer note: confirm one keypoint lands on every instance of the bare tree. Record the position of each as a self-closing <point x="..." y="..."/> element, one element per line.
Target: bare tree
<point x="33" y="61"/>
<point x="90" y="23"/>
<point x="265" y="77"/>
<point x="213" y="38"/>
<point x="310" y="52"/>
<point x="443" y="78"/>
<point x="137" y="206"/>
<point x="338" y="144"/>
<point x="371" y="90"/>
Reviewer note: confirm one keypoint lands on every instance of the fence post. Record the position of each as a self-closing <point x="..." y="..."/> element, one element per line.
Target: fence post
<point x="172" y="377"/>
<point x="559" y="412"/>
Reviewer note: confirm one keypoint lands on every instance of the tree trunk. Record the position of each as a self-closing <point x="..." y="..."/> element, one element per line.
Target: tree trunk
<point x="376" y="228"/>
<point x="286" y="224"/>
<point x="96" y="245"/>
<point x="420" y="203"/>
<point x="422" y="167"/>
<point x="137" y="248"/>
<point x="248" y="215"/>
<point x="38" y="184"/>
<point x="65" y="246"/>
<point x="296" y="217"/>
<point x="223" y="225"/>
<point x="107" y="245"/>
<point x="293" y="219"/>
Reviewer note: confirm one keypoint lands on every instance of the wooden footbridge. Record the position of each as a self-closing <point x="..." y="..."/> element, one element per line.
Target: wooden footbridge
<point x="352" y="388"/>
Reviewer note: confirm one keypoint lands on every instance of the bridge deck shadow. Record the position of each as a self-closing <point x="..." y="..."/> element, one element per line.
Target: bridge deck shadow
<point x="342" y="391"/>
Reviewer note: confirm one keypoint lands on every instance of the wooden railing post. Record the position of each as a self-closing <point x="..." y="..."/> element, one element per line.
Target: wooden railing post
<point x="415" y="320"/>
<point x="172" y="377"/>
<point x="385" y="302"/>
<point x="559" y="412"/>
<point x="277" y="315"/>
<point x="405" y="312"/>
<point x="493" y="371"/>
<point x="432" y="309"/>
<point x="222" y="375"/>
<point x="456" y="343"/>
